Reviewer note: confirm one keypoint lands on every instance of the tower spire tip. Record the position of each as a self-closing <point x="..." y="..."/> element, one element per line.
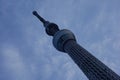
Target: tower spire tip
<point x="39" y="17"/>
<point x="34" y="12"/>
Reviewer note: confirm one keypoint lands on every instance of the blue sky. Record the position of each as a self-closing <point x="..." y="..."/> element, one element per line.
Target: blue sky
<point x="26" y="51"/>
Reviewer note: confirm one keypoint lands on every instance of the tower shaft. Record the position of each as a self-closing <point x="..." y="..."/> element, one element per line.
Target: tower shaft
<point x="91" y="66"/>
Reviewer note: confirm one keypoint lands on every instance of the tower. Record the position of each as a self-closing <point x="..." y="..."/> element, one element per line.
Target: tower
<point x="65" y="41"/>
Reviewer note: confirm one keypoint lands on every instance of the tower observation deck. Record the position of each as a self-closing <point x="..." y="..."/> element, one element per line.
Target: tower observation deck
<point x="65" y="41"/>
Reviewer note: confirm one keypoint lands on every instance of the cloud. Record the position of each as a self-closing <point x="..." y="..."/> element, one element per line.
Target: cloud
<point x="27" y="52"/>
<point x="13" y="63"/>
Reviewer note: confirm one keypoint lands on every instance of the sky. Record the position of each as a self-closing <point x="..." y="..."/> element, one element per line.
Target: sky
<point x="27" y="52"/>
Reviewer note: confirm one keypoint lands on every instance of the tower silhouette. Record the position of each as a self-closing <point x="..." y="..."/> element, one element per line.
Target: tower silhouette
<point x="64" y="40"/>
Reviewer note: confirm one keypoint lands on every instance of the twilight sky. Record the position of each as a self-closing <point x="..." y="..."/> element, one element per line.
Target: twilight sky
<point x="26" y="51"/>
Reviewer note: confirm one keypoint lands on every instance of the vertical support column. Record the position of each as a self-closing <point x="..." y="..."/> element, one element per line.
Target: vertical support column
<point x="91" y="66"/>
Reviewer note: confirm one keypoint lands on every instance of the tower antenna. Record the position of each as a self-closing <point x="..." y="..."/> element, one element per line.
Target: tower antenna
<point x="39" y="17"/>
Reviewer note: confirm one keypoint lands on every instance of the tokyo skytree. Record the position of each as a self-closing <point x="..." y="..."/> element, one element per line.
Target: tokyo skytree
<point x="64" y="40"/>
